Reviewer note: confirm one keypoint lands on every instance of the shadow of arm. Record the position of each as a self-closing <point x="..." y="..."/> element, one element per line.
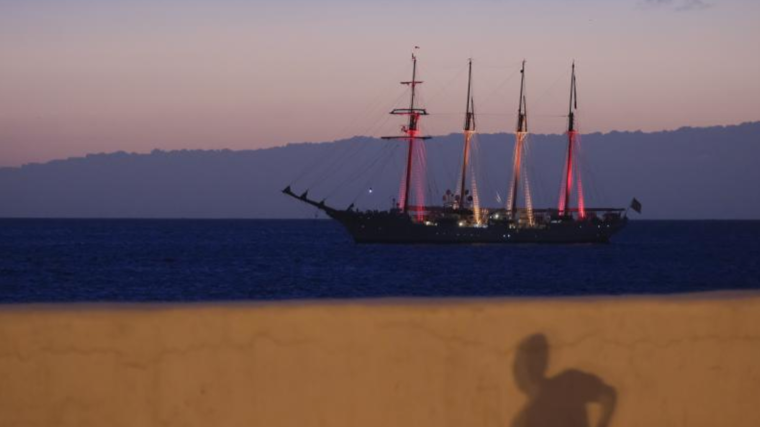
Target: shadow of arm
<point x="608" y="400"/>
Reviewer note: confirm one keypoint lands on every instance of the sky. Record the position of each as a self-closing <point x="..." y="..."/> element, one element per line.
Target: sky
<point x="92" y="76"/>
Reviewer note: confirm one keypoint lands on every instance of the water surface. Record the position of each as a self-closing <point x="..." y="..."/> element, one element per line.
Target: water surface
<point x="211" y="260"/>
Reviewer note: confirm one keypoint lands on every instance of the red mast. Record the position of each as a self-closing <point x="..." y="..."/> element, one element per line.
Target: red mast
<point x="564" y="203"/>
<point x="410" y="130"/>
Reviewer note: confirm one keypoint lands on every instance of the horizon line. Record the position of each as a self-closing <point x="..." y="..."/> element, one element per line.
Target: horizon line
<point x="346" y="139"/>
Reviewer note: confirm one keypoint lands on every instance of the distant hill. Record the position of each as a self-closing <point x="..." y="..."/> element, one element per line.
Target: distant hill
<point x="689" y="173"/>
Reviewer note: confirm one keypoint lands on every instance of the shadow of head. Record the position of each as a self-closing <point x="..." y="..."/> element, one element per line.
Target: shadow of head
<point x="562" y="399"/>
<point x="531" y="363"/>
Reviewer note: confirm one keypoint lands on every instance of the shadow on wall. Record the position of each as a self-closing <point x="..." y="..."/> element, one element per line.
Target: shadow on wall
<point x="561" y="400"/>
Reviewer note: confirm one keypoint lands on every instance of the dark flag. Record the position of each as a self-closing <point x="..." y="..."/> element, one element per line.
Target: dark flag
<point x="636" y="205"/>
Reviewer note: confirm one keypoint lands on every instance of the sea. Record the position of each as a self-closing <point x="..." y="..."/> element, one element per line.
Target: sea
<point x="112" y="260"/>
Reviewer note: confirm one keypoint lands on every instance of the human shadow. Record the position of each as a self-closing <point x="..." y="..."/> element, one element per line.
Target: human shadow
<point x="561" y="400"/>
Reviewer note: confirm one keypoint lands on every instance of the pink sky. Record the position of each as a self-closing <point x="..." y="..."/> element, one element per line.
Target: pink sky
<point x="88" y="76"/>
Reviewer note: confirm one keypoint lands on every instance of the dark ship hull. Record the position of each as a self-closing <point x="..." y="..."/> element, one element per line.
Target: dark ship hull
<point x="442" y="225"/>
<point x="391" y="227"/>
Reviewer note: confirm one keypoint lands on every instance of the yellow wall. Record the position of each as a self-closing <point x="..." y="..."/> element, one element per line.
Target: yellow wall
<point x="676" y="361"/>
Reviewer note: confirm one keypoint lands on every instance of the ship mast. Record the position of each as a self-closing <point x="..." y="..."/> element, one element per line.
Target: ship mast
<point x="571" y="134"/>
<point x="520" y="134"/>
<point x="410" y="130"/>
<point x="469" y="129"/>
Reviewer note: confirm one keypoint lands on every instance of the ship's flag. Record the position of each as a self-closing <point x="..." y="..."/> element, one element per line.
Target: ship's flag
<point x="636" y="205"/>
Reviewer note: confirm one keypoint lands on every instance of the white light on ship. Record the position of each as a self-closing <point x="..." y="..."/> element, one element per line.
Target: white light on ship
<point x="461" y="223"/>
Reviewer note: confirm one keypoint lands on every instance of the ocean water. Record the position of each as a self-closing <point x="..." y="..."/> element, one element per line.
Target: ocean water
<point x="224" y="260"/>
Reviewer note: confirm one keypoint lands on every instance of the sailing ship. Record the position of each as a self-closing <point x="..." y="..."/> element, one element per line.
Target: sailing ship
<point x="460" y="219"/>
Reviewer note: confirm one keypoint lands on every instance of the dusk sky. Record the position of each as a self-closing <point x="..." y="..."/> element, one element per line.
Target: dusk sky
<point x="89" y="76"/>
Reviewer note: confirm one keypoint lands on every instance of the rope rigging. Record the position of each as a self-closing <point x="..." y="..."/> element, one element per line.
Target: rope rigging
<point x="351" y="160"/>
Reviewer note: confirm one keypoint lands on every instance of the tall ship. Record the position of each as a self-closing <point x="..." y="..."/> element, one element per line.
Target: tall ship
<point x="461" y="218"/>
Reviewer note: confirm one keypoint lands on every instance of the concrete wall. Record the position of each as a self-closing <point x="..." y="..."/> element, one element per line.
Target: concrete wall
<point x="677" y="361"/>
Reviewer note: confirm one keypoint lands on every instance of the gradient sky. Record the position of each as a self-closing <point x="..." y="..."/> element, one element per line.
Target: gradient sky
<point x="85" y="76"/>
